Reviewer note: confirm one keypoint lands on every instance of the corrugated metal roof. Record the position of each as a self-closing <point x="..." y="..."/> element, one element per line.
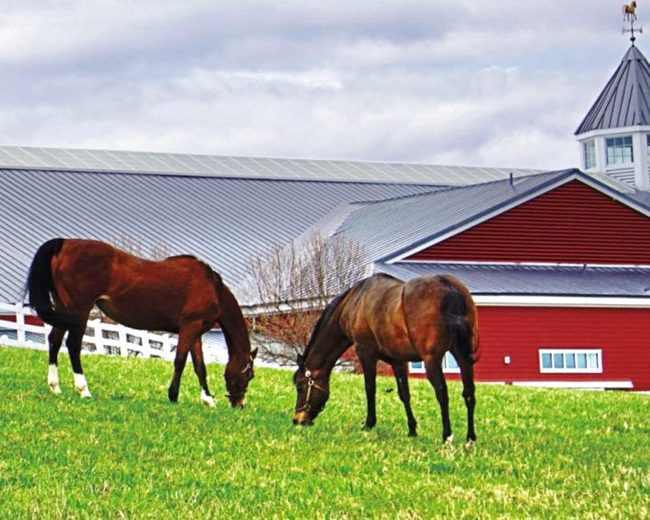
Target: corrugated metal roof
<point x="625" y="100"/>
<point x="386" y="228"/>
<point x="223" y="221"/>
<point x="534" y="280"/>
<point x="22" y="157"/>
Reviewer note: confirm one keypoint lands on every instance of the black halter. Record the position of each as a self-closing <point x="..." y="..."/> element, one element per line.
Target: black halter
<point x="311" y="383"/>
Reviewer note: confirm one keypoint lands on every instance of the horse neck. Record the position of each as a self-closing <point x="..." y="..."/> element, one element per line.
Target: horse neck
<point x="327" y="347"/>
<point x="233" y="325"/>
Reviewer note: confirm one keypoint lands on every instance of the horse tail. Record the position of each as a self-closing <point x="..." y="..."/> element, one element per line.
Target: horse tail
<point x="40" y="285"/>
<point x="459" y="317"/>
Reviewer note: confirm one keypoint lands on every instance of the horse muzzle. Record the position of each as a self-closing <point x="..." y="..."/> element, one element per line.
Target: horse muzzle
<point x="302" y="419"/>
<point x="237" y="402"/>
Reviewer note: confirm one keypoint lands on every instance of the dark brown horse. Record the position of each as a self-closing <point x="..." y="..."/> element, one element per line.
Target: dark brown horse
<point x="396" y="322"/>
<point x="179" y="295"/>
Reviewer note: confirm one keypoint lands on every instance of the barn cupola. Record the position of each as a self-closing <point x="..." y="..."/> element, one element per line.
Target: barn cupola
<point x="614" y="136"/>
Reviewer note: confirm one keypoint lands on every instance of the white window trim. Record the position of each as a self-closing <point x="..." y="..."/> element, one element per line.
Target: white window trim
<point x="445" y="370"/>
<point x="597" y="351"/>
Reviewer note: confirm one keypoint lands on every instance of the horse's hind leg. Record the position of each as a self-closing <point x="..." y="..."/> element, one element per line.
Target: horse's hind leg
<point x="54" y="339"/>
<point x="433" y="366"/>
<point x="186" y="339"/>
<point x="201" y="373"/>
<point x="400" y="369"/>
<point x="467" y="375"/>
<point x="75" y="337"/>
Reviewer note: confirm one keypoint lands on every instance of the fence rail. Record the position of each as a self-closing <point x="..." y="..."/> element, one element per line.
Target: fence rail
<point x="100" y="337"/>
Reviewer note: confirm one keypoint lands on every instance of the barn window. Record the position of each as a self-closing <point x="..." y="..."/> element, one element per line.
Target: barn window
<point x="619" y="150"/>
<point x="571" y="361"/>
<point x="449" y="364"/>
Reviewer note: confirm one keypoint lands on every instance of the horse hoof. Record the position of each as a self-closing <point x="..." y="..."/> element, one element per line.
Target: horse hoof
<point x="84" y="393"/>
<point x="470" y="444"/>
<point x="55" y="388"/>
<point x="208" y="401"/>
<point x="448" y="441"/>
<point x="413" y="434"/>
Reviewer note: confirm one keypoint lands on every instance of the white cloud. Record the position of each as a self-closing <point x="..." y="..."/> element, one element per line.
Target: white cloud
<point x="500" y="83"/>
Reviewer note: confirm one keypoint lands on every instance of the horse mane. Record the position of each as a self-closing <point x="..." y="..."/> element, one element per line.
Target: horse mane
<point x="181" y="257"/>
<point x="326" y="315"/>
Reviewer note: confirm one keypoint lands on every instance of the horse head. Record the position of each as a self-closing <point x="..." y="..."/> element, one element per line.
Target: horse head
<point x="312" y="387"/>
<point x="238" y="375"/>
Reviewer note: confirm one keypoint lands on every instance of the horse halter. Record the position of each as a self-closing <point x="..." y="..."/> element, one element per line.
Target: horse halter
<point x="247" y="368"/>
<point x="311" y="383"/>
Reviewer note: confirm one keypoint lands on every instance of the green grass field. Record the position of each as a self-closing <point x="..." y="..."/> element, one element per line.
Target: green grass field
<point x="128" y="453"/>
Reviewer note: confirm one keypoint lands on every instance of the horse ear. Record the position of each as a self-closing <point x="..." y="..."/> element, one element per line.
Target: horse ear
<point x="300" y="360"/>
<point x="253" y="354"/>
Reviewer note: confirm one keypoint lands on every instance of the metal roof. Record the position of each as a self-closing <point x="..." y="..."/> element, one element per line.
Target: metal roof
<point x="388" y="228"/>
<point x="625" y="100"/>
<point x="223" y="221"/>
<point x="20" y="157"/>
<point x="540" y="280"/>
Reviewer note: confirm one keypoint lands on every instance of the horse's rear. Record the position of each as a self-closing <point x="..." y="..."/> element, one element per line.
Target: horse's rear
<point x="441" y="316"/>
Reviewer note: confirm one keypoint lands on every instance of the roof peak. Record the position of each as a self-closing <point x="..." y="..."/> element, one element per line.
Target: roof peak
<point x="625" y="100"/>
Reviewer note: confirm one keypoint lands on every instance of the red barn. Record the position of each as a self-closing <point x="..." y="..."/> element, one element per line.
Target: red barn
<point x="559" y="265"/>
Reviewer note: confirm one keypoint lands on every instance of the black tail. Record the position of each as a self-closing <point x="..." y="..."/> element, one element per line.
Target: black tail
<point x="460" y="330"/>
<point x="40" y="285"/>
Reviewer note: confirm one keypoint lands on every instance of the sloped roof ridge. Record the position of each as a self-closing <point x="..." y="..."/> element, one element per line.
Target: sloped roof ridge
<point x="161" y="163"/>
<point x="447" y="189"/>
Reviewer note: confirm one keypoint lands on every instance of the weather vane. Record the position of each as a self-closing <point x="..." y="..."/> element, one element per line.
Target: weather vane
<point x="629" y="15"/>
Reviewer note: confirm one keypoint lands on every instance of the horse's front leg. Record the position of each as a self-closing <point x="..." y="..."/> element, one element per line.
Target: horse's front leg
<point x="433" y="367"/>
<point x="368" y="359"/>
<point x="400" y="369"/>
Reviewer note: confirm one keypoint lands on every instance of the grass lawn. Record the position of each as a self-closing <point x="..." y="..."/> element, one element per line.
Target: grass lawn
<point x="128" y="453"/>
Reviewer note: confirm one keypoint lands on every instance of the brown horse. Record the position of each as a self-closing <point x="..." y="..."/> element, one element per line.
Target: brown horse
<point x="180" y="295"/>
<point x="396" y="322"/>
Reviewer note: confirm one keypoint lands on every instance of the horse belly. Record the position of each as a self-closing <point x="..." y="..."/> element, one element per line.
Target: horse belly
<point x="134" y="313"/>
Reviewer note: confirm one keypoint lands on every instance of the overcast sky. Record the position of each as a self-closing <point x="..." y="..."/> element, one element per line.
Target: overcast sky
<point x="462" y="82"/>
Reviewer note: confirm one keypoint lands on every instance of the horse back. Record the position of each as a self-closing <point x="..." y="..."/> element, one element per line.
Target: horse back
<point x="374" y="317"/>
<point x="134" y="291"/>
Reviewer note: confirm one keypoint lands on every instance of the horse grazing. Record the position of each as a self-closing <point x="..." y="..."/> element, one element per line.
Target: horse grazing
<point x="180" y="295"/>
<point x="395" y="322"/>
<point x="629" y="12"/>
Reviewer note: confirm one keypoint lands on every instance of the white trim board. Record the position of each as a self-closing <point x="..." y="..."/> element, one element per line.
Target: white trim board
<point x="561" y="301"/>
<point x="585" y="385"/>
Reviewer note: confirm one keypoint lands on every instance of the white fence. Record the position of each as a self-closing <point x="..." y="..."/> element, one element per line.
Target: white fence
<point x="100" y="338"/>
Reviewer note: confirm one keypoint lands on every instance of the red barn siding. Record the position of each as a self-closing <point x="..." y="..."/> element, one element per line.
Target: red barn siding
<point x="573" y="223"/>
<point x="519" y="332"/>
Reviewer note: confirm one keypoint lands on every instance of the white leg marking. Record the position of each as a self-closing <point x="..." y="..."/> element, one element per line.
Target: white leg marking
<point x="53" y="379"/>
<point x="81" y="386"/>
<point x="207" y="399"/>
<point x="470" y="444"/>
<point x="449" y="440"/>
